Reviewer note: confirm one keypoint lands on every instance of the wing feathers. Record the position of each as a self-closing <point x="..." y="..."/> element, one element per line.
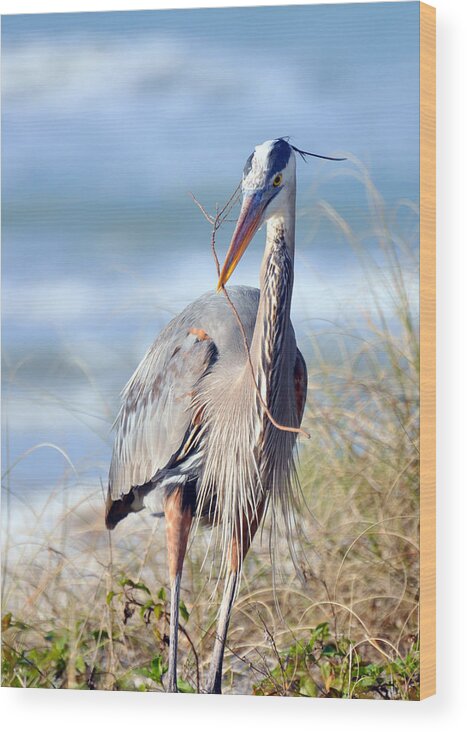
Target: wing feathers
<point x="157" y="407"/>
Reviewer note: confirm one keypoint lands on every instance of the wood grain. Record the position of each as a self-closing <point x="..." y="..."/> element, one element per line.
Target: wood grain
<point x="427" y="350"/>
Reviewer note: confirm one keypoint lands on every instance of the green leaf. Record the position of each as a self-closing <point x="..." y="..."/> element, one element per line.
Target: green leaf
<point x="183" y="611"/>
<point x="366" y="682"/>
<point x="329" y="650"/>
<point x="109" y="597"/>
<point x="185" y="687"/>
<point x="137" y="585"/>
<point x="372" y="669"/>
<point x="158" y="610"/>
<point x="308" y="687"/>
<point x="147" y="606"/>
<point x="321" y="633"/>
<point x="161" y="594"/>
<point x="156" y="670"/>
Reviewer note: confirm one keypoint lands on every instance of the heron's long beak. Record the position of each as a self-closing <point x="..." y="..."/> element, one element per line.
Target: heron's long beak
<point x="247" y="225"/>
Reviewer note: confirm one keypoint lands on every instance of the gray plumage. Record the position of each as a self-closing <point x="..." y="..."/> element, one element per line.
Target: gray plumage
<point x="159" y="445"/>
<point x="193" y="436"/>
<point x="158" y="403"/>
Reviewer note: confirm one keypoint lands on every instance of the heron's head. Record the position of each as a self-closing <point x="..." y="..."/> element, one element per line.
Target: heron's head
<point x="268" y="188"/>
<point x="268" y="185"/>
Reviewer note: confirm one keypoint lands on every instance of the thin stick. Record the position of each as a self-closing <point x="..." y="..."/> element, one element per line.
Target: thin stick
<point x="216" y="222"/>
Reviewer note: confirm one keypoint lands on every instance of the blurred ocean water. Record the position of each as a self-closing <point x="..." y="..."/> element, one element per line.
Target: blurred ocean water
<point x="110" y="120"/>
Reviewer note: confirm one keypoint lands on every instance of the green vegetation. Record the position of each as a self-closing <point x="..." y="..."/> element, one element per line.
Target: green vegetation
<point x="318" y="666"/>
<point x="326" y="667"/>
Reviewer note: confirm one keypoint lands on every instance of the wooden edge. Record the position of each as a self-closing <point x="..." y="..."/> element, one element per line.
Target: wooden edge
<point x="427" y="351"/>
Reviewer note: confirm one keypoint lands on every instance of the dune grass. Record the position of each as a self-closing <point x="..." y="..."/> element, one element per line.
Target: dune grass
<point x="83" y="608"/>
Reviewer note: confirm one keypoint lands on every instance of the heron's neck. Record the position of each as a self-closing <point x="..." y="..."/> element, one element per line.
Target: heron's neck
<point x="268" y="347"/>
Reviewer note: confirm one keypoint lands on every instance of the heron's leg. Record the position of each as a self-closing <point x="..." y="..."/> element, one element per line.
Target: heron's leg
<point x="178" y="522"/>
<point x="214" y="685"/>
<point x="239" y="548"/>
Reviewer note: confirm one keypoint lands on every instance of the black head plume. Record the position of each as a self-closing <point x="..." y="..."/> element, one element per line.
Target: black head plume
<point x="303" y="153"/>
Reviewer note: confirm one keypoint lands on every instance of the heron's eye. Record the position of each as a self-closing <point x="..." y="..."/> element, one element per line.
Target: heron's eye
<point x="277" y="180"/>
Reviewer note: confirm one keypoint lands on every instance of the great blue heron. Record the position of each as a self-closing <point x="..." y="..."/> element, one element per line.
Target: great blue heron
<point x="194" y="432"/>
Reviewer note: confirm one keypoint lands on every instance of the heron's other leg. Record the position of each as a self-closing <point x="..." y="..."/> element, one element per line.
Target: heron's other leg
<point x="214" y="685"/>
<point x="178" y="518"/>
<point x="240" y="544"/>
